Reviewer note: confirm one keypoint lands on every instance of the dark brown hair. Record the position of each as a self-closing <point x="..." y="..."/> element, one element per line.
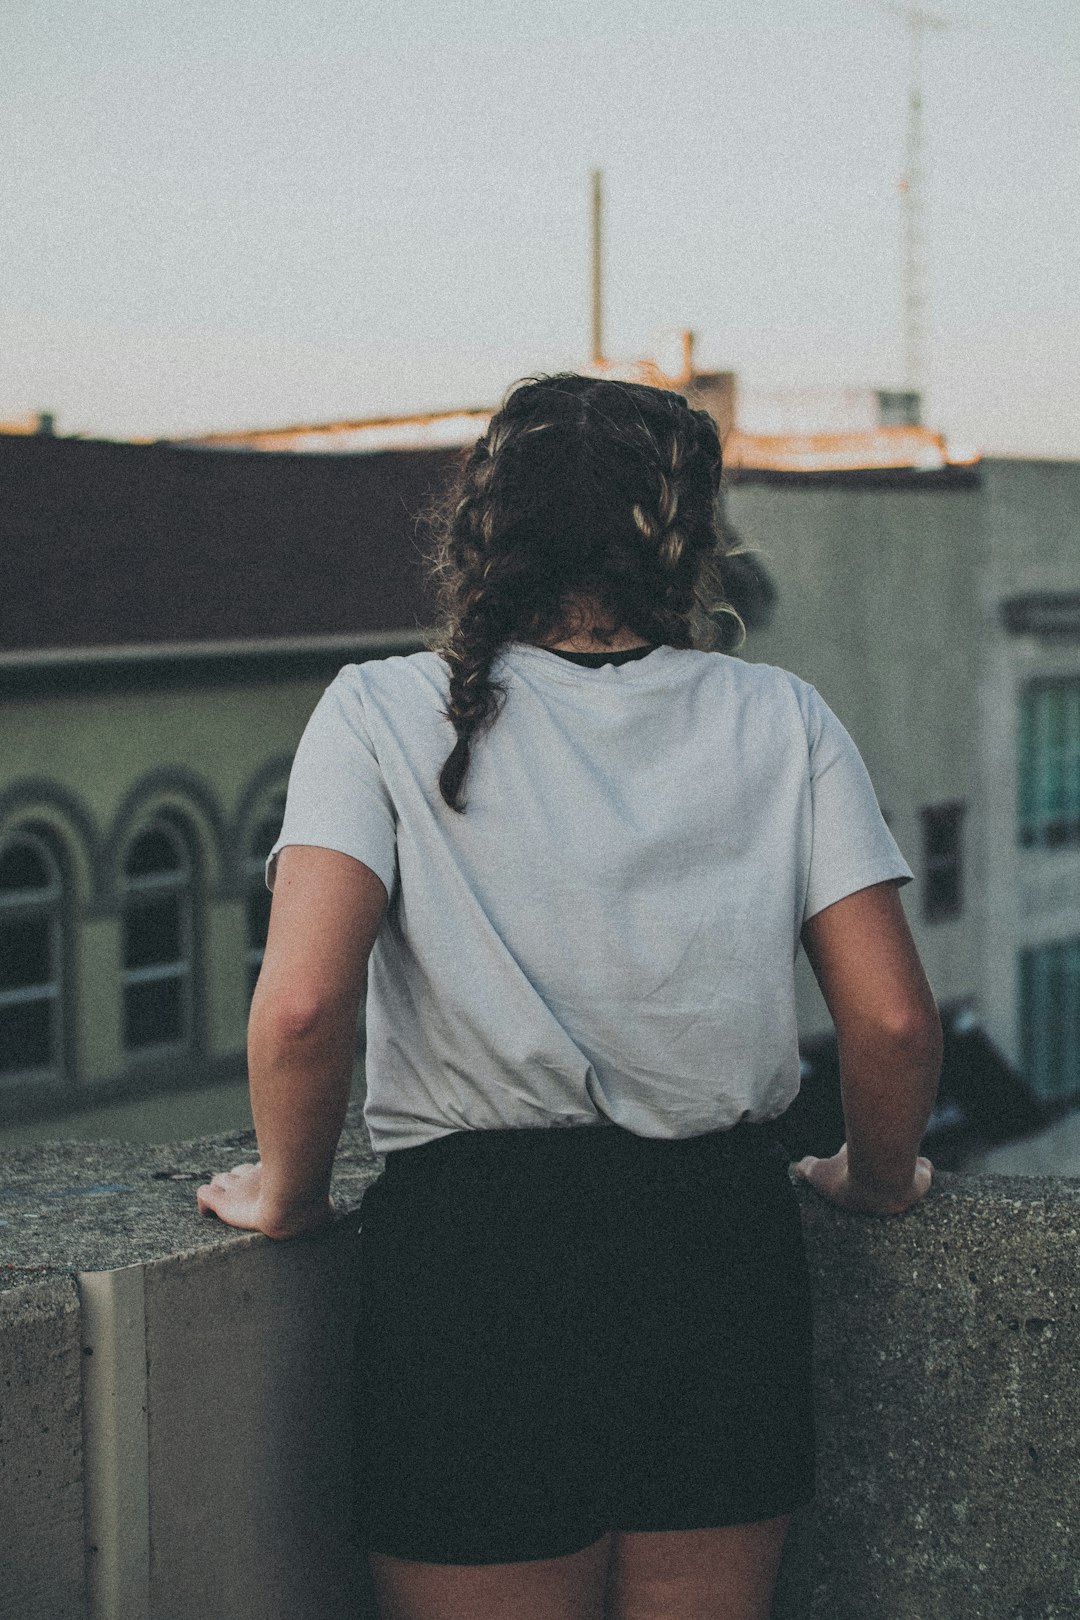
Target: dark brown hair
<point x="582" y="489"/>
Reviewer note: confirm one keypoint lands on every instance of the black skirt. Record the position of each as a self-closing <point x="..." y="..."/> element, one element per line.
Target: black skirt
<point x="572" y="1331"/>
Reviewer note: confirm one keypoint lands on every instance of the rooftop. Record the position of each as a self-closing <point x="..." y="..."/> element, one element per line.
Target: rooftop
<point x="779" y="431"/>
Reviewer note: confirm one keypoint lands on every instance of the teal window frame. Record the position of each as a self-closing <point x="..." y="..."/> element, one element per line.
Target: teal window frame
<point x="1049" y="1007"/>
<point x="1048" y="764"/>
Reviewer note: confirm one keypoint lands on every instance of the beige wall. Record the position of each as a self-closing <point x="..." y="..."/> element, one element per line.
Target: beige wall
<point x="195" y="752"/>
<point x="101" y="745"/>
<point x="878" y="606"/>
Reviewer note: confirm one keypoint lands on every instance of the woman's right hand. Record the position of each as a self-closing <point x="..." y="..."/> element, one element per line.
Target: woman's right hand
<point x="833" y="1180"/>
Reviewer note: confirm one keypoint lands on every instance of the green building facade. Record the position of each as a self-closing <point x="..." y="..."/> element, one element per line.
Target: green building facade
<point x="139" y="795"/>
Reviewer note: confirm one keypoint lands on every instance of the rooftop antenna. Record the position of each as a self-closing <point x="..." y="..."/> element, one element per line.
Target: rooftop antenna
<point x="597" y="268"/>
<point x="912" y="195"/>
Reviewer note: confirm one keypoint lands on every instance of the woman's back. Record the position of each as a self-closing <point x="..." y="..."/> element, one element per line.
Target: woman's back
<point x="609" y="932"/>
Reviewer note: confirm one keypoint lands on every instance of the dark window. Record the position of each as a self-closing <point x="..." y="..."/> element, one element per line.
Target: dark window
<point x="155" y="931"/>
<point x="1050" y="1019"/>
<point x="154" y="1013"/>
<point x="943" y="892"/>
<point x="25" y="868"/>
<point x="899" y="409"/>
<point x="1048" y="774"/>
<point x="26" y="951"/>
<point x="31" y="956"/>
<point x="158" y="938"/>
<point x="260" y="844"/>
<point x="156" y="850"/>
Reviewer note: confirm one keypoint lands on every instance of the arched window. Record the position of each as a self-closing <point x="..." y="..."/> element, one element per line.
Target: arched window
<point x="263" y="838"/>
<point x="31" y="956"/>
<point x="159" y="932"/>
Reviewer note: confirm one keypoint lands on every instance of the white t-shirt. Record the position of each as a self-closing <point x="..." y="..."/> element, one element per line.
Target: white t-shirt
<point x="609" y="931"/>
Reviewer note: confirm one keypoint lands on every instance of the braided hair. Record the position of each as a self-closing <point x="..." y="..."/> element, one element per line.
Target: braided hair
<point x="581" y="490"/>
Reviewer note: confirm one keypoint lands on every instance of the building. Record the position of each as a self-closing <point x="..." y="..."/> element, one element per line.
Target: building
<point x="169" y="614"/>
<point x="939" y="613"/>
<point x="168" y="619"/>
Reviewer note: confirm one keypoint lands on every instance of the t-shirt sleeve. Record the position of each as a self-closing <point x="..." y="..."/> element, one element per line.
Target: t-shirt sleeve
<point x="337" y="796"/>
<point x="851" y="847"/>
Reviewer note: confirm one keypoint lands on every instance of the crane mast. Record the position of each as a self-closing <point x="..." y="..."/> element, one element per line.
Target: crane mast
<point x="913" y="198"/>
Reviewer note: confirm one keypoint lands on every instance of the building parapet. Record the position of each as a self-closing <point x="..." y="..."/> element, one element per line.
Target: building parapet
<point x="177" y="1426"/>
<point x="53" y="671"/>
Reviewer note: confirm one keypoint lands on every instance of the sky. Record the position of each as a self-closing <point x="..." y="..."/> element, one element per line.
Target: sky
<point x="228" y="214"/>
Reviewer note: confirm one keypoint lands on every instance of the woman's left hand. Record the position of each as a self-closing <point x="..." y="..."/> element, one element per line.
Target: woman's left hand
<point x="237" y="1198"/>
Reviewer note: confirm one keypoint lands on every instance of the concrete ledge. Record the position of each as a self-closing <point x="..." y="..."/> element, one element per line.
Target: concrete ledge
<point x="41" y="1493"/>
<point x="249" y="1431"/>
<point x="948" y="1406"/>
<point x="947" y="1346"/>
<point x="210" y="1384"/>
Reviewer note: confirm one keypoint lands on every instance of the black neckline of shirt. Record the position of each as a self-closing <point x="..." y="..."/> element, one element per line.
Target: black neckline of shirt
<point x="597" y="660"/>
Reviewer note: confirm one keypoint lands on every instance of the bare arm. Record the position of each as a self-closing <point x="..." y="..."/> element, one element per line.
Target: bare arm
<point x="301" y="1039"/>
<point x="889" y="1035"/>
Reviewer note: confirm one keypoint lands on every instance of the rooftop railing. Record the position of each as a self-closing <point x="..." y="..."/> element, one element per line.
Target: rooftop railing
<point x="176" y="1426"/>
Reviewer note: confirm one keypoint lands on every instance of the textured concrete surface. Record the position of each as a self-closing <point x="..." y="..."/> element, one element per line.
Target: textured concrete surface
<point x="947" y="1344"/>
<point x="948" y="1401"/>
<point x="246" y="1348"/>
<point x="90" y="1206"/>
<point x="249" y="1431"/>
<point x="41" y="1539"/>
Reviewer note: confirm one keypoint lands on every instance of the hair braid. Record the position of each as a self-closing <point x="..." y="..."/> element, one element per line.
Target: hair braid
<point x="580" y="490"/>
<point x="474" y="697"/>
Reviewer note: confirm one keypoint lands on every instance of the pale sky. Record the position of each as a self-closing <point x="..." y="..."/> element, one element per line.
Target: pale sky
<point x="239" y="213"/>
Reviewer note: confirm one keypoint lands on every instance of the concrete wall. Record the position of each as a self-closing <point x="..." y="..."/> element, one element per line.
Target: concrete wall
<point x="213" y="1468"/>
<point x="219" y="1459"/>
<point x="948" y="1410"/>
<point x="41" y="1483"/>
<point x="878" y="607"/>
<point x="890" y="601"/>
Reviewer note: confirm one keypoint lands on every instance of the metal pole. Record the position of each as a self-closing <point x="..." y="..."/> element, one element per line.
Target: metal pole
<point x="597" y="269"/>
<point x="912" y="194"/>
<point x="913" y="197"/>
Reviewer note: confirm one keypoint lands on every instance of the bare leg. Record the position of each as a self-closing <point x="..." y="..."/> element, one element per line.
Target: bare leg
<point x="725" y="1574"/>
<point x="570" y="1588"/>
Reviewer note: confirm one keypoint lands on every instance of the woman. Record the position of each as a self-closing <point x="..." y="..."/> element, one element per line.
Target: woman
<point x="580" y="855"/>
